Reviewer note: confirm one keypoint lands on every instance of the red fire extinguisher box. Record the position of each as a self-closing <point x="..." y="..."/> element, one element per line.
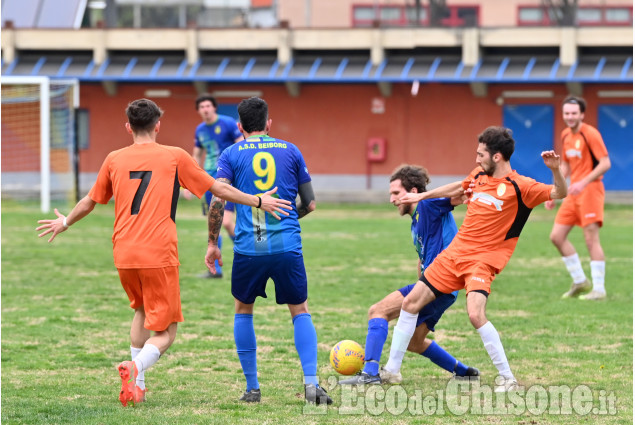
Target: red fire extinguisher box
<point x="376" y="149"/>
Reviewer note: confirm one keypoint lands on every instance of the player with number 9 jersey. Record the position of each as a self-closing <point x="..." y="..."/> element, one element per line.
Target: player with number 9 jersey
<point x="254" y="166"/>
<point x="266" y="249"/>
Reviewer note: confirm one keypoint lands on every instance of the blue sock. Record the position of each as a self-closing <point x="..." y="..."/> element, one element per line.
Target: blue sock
<point x="245" y="338"/>
<point x="306" y="344"/>
<point x="375" y="340"/>
<point x="219" y="269"/>
<point x="442" y="358"/>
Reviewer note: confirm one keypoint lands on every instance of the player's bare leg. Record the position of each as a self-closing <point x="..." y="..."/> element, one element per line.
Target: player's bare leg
<point x="571" y="260"/>
<point x="152" y="349"/>
<point x="138" y="337"/>
<point x="420" y="296"/>
<point x="476" y="303"/>
<point x="592" y="239"/>
<point x="379" y="314"/>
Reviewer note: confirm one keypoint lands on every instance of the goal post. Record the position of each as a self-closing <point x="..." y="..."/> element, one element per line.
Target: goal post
<point x="38" y="138"/>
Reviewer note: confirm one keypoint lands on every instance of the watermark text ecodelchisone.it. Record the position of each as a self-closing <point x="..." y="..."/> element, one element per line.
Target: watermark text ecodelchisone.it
<point x="469" y="397"/>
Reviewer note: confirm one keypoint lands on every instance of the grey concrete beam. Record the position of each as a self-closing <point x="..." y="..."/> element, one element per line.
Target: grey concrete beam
<point x="385" y="88"/>
<point x="479" y="89"/>
<point x="293" y="88"/>
<point x="110" y="87"/>
<point x="200" y="86"/>
<point x="576" y="89"/>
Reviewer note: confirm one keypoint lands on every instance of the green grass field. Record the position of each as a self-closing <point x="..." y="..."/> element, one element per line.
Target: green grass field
<point x="65" y="325"/>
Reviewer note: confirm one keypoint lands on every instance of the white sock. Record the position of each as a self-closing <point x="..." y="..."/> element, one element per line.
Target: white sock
<point x="401" y="337"/>
<point x="148" y="356"/>
<point x="141" y="383"/>
<point x="495" y="349"/>
<point x="597" y="274"/>
<point x="575" y="268"/>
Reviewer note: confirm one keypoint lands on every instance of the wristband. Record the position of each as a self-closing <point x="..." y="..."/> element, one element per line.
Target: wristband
<point x="259" y="201"/>
<point x="64" y="223"/>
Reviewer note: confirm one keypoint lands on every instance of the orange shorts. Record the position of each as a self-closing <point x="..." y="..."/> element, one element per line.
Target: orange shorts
<point x="447" y="274"/>
<point x="583" y="209"/>
<point x="157" y="290"/>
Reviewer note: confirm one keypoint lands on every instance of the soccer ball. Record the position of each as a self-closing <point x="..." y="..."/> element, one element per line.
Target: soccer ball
<point x="347" y="357"/>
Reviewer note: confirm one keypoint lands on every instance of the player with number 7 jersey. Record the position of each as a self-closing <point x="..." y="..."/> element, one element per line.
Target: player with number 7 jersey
<point x="256" y="165"/>
<point x="144" y="180"/>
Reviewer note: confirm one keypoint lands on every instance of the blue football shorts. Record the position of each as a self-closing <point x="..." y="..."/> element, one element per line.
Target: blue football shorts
<point x="229" y="206"/>
<point x="431" y="313"/>
<point x="251" y="273"/>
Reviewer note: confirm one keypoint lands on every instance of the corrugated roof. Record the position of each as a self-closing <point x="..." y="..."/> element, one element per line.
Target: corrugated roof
<point x="323" y="68"/>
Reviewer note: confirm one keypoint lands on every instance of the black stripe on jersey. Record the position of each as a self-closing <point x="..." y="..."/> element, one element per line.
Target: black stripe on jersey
<point x="521" y="215"/>
<point x="480" y="173"/>
<point x="175" y="196"/>
<point x="594" y="160"/>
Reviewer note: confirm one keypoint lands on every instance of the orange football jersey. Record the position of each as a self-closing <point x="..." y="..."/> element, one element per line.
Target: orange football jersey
<point x="582" y="150"/>
<point x="145" y="180"/>
<point x="496" y="213"/>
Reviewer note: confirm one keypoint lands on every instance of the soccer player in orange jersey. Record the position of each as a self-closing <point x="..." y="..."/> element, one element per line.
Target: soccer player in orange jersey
<point x="586" y="160"/>
<point x="500" y="201"/>
<point x="144" y="179"/>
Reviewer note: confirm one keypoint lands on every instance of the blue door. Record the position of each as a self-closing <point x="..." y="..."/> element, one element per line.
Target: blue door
<point x="615" y="123"/>
<point x="532" y="127"/>
<point x="230" y="110"/>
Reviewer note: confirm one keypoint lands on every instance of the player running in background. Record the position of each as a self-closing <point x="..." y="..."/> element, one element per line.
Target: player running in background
<point x="498" y="208"/>
<point x="586" y="160"/>
<point x="266" y="248"/>
<point x="432" y="230"/>
<point x="211" y="138"/>
<point x="144" y="179"/>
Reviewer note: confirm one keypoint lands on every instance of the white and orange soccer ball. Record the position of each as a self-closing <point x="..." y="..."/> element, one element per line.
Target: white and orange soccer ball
<point x="347" y="357"/>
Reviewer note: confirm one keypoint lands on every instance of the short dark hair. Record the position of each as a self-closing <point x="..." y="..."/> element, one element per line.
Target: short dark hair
<point x="204" y="97"/>
<point x="576" y="101"/>
<point x="498" y="139"/>
<point x="253" y="113"/>
<point x="143" y="115"/>
<point x="411" y="176"/>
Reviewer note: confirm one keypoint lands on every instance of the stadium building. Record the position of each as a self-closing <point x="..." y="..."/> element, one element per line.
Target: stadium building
<point x="360" y="87"/>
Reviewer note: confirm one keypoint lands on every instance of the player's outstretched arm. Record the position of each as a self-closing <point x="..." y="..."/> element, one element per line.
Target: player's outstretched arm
<point x="274" y="205"/>
<point x="552" y="161"/>
<point x="265" y="202"/>
<point x="61" y="223"/>
<point x="449" y="190"/>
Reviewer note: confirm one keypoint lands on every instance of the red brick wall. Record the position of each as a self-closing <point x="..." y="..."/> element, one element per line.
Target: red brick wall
<point x="332" y="123"/>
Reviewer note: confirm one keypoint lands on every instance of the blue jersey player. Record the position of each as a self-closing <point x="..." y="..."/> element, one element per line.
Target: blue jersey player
<point x="433" y="228"/>
<point x="212" y="137"/>
<point x="264" y="247"/>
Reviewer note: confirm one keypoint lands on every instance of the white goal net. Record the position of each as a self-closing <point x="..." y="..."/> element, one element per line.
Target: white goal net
<point x="38" y="138"/>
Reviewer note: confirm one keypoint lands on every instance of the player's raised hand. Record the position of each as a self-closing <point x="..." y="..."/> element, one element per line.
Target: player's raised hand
<point x="551" y="159"/>
<point x="56" y="226"/>
<point x="274" y="205"/>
